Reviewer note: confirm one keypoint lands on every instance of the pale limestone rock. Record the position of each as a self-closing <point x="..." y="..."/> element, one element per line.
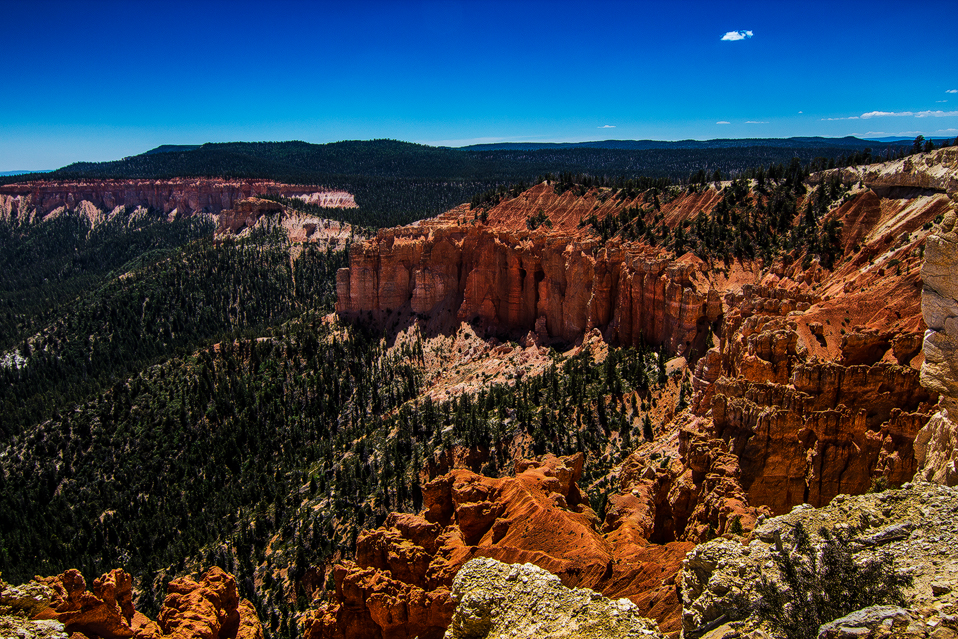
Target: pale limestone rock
<point x="18" y="604"/>
<point x="935" y="451"/>
<point x="522" y="600"/>
<point x="915" y="527"/>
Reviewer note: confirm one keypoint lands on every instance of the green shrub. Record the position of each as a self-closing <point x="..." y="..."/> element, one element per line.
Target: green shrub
<point x="818" y="585"/>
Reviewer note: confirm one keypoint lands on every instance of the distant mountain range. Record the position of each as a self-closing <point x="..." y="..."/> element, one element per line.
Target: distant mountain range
<point x="898" y="138"/>
<point x="22" y="172"/>
<point x="851" y="143"/>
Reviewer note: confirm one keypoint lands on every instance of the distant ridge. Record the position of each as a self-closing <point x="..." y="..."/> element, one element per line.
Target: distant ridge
<point x="717" y="143"/>
<point x="898" y="138"/>
<point x="23" y="172"/>
<point x="172" y="148"/>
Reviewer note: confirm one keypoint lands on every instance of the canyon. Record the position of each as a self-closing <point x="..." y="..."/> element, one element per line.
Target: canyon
<point x="768" y="385"/>
<point x="808" y="382"/>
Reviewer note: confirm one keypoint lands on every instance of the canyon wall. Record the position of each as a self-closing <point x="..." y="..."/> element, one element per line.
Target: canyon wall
<point x="184" y="195"/>
<point x="516" y="282"/>
<point x="936" y="446"/>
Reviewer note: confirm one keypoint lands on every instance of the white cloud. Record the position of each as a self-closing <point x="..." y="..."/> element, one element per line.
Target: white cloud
<point x="756" y="122"/>
<point x="940" y="101"/>
<point x="733" y="36"/>
<point x="947" y="131"/>
<point x="885" y="114"/>
<point x="952" y="91"/>
<point x="723" y="122"/>
<point x="936" y="114"/>
<point x="607" y="126"/>
<point x="854" y="117"/>
<point x="800" y="112"/>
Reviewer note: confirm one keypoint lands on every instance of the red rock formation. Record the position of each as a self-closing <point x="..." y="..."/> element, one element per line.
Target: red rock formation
<point x="803" y="430"/>
<point x="208" y="609"/>
<point x="513" y="282"/>
<point x="205" y="609"/>
<point x="106" y="612"/>
<point x="398" y="587"/>
<point x="686" y="486"/>
<point x="186" y="195"/>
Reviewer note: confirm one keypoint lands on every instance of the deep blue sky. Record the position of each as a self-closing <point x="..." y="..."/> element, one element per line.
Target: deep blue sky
<point x="102" y="80"/>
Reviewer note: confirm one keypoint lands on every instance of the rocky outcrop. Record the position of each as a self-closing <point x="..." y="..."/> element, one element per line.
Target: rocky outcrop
<point x="686" y="486"/>
<point x="205" y="609"/>
<point x="522" y="600"/>
<point x="258" y="213"/>
<point x="936" y="446"/>
<point x="399" y="585"/>
<point x="18" y="605"/>
<point x="913" y="528"/>
<point x="107" y="611"/>
<point x="934" y="171"/>
<point x="184" y="195"/>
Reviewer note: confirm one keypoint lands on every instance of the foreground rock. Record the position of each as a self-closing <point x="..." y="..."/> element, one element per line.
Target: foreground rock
<point x="204" y="609"/>
<point x="496" y="599"/>
<point x="18" y="604"/>
<point x="914" y="527"/>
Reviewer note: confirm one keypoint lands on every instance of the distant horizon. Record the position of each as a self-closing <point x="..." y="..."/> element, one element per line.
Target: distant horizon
<point x="12" y="172"/>
<point x="463" y="72"/>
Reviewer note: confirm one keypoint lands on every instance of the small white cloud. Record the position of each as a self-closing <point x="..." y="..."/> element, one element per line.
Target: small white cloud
<point x="875" y="133"/>
<point x="800" y="112"/>
<point x="607" y="126"/>
<point x="952" y="91"/>
<point x="734" y="36"/>
<point x="940" y="101"/>
<point x="854" y="117"/>
<point x="947" y="131"/>
<point x="886" y="114"/>
<point x="936" y="114"/>
<point x="723" y="122"/>
<point x="756" y="122"/>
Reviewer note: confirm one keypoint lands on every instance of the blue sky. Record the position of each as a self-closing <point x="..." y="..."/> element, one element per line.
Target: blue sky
<point x="102" y="80"/>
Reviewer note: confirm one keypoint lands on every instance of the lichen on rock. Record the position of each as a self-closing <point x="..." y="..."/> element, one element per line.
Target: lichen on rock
<point x="523" y="600"/>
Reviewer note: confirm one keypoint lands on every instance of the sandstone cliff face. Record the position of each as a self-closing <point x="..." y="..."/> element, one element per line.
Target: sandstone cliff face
<point x="185" y="196"/>
<point x="519" y="282"/>
<point x="399" y="585"/>
<point x="207" y="609"/>
<point x="685" y="485"/>
<point x="936" y="446"/>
